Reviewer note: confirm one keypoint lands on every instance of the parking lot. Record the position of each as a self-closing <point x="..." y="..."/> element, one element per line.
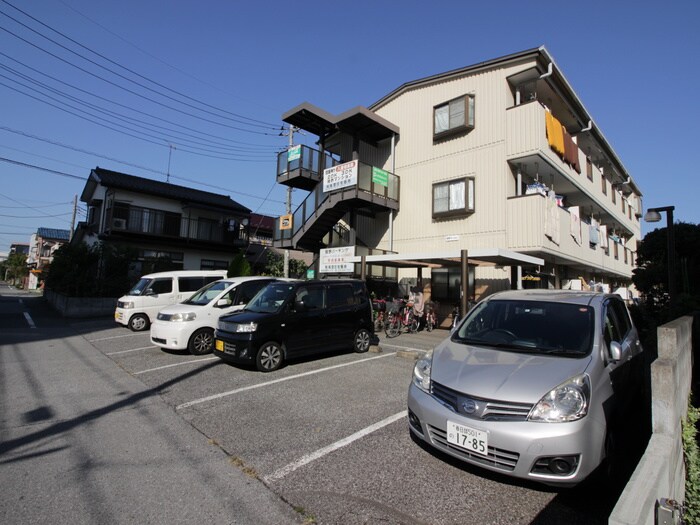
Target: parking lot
<point x="329" y="435"/>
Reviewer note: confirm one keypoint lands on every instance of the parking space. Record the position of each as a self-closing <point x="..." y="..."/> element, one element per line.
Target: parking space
<point x="329" y="434"/>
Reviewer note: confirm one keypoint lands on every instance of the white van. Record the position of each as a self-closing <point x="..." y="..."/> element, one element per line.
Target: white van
<point x="140" y="306"/>
<point x="189" y="325"/>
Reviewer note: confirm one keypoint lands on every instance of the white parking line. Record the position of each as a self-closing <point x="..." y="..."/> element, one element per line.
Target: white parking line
<point x="29" y="320"/>
<point x="176" y="364"/>
<point x="114" y="337"/>
<point x="308" y="458"/>
<point x="275" y="381"/>
<point x="132" y="350"/>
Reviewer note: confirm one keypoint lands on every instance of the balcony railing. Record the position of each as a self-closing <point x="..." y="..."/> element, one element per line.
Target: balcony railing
<point x="526" y="136"/>
<point x="172" y="226"/>
<point x="529" y="236"/>
<point x="369" y="187"/>
<point x="301" y="167"/>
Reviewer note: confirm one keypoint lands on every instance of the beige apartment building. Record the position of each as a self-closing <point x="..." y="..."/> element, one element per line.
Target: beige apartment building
<point x="499" y="160"/>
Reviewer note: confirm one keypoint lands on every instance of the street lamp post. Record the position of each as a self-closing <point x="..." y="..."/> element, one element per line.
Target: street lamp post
<point x="654" y="215"/>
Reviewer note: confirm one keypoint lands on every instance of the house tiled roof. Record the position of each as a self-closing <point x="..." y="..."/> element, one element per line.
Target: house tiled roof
<point x="114" y="179"/>
<point x="53" y="234"/>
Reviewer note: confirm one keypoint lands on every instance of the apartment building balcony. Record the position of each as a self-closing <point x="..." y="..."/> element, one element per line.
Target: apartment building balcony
<point x="302" y="167"/>
<point x="148" y="224"/>
<point x="528" y="150"/>
<point x="372" y="188"/>
<point x="550" y="237"/>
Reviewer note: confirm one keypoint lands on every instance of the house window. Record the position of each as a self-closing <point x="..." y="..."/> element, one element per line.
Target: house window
<point x="454" y="116"/>
<point x="453" y="198"/>
<point x="211" y="264"/>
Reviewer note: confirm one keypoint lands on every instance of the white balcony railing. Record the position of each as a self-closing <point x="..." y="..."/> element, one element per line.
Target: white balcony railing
<point x="529" y="236"/>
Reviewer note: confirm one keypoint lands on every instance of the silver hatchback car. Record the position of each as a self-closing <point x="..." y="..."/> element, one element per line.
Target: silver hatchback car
<point x="531" y="384"/>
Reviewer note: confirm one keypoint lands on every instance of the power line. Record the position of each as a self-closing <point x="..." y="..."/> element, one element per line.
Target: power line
<point x="262" y="146"/>
<point x="254" y="123"/>
<point x="131" y="91"/>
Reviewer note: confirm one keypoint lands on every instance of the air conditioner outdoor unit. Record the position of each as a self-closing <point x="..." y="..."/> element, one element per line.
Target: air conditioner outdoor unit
<point x="119" y="224"/>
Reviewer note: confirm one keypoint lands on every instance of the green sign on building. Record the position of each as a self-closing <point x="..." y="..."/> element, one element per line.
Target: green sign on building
<point x="294" y="153"/>
<point x="310" y="274"/>
<point x="379" y="176"/>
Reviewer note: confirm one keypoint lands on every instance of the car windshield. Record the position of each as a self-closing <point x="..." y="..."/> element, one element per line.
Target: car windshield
<point x="271" y="298"/>
<point x="537" y="327"/>
<point x="208" y="293"/>
<point x="140" y="287"/>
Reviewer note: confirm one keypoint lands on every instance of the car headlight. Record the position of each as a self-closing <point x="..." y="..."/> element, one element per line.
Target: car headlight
<point x="237" y="327"/>
<point x="567" y="402"/>
<point x="180" y="317"/>
<point x="126" y="304"/>
<point x="421" y="372"/>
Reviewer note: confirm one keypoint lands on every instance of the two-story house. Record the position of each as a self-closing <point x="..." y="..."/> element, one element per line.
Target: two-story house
<point x="192" y="229"/>
<point x="42" y="246"/>
<point x="499" y="160"/>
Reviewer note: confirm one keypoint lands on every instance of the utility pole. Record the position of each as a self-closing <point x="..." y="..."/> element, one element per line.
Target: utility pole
<point x="170" y="154"/>
<point x="289" y="203"/>
<point x="72" y="221"/>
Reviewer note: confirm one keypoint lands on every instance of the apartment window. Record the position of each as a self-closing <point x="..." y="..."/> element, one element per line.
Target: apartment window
<point x="453" y="198"/>
<point x="589" y="168"/>
<point x="613" y="195"/>
<point x="604" y="184"/>
<point x="211" y="264"/>
<point x="454" y="116"/>
<point x="622" y="200"/>
<point x="616" y="250"/>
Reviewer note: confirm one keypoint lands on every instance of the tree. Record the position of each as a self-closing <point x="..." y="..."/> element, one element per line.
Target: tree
<point x="16" y="267"/>
<point x="275" y="266"/>
<point x="651" y="275"/>
<point x="239" y="266"/>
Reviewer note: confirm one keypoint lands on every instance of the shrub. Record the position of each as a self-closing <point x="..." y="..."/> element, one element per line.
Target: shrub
<point x="692" y="466"/>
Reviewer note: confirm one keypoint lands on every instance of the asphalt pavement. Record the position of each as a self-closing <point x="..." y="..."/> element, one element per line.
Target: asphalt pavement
<point x="83" y="442"/>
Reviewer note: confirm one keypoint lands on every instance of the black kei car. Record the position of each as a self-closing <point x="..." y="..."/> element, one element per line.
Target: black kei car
<point x="293" y="319"/>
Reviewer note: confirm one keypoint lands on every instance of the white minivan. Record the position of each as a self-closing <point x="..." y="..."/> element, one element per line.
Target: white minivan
<point x="140" y="306"/>
<point x="190" y="324"/>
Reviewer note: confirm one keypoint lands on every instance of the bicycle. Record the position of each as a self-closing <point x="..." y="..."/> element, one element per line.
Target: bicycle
<point x="378" y="311"/>
<point x="430" y="316"/>
<point x="400" y="316"/>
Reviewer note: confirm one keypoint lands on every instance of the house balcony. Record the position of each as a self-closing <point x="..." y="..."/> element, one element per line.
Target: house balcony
<point x="373" y="189"/>
<point x="302" y="167"/>
<point x="528" y="149"/>
<point x="552" y="239"/>
<point x="147" y="224"/>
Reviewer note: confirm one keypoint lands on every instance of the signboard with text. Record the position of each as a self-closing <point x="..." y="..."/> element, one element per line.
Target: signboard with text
<point x="340" y="176"/>
<point x="335" y="260"/>
<point x="379" y="176"/>
<point x="293" y="153"/>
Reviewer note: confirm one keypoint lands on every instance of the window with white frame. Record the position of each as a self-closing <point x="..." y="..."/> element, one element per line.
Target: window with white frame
<point x="453" y="116"/>
<point x="453" y="197"/>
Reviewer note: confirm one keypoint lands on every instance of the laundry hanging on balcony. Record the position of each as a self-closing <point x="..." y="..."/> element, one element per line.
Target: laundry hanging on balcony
<point x="575" y="223"/>
<point x="593" y="235"/>
<point x="551" y="218"/>
<point x="603" y="236"/>
<point x="561" y="142"/>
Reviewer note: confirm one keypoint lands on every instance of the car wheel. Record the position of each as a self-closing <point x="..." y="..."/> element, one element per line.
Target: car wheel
<point x="362" y="340"/>
<point x="201" y="342"/>
<point x="270" y="357"/>
<point x="138" y="323"/>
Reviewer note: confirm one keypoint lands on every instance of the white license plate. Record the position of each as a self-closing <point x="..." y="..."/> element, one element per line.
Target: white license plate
<point x="468" y="438"/>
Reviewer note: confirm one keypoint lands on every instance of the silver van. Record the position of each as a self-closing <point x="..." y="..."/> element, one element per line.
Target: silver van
<point x="531" y="384"/>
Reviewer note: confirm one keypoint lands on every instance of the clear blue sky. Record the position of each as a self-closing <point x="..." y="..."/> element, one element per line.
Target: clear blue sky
<point x="632" y="64"/>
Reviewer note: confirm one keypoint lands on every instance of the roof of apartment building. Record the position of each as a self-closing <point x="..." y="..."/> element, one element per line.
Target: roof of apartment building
<point x="53" y="234"/>
<point x="546" y="66"/>
<point x="115" y="179"/>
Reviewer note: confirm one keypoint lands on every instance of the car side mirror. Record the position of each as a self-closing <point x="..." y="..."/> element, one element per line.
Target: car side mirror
<point x="615" y="351"/>
<point x="150" y="292"/>
<point x="223" y="303"/>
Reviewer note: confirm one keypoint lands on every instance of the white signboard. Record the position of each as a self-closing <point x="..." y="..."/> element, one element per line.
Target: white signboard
<point x="334" y="260"/>
<point x="340" y="176"/>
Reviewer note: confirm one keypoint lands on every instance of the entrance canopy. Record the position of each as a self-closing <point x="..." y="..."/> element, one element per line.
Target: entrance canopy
<point x="475" y="256"/>
<point x="462" y="258"/>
